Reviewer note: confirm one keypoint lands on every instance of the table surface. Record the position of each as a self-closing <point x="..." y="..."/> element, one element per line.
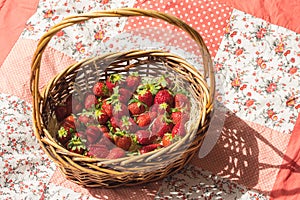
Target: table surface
<point x="251" y="150"/>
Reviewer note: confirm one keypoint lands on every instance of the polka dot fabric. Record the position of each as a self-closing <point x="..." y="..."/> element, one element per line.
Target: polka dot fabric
<point x="210" y="20"/>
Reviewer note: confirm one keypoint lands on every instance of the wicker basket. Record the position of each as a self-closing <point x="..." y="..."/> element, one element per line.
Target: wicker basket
<point x="96" y="172"/>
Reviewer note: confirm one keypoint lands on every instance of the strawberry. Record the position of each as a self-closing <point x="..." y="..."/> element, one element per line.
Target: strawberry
<point x="164" y="96"/>
<point x="124" y="95"/>
<point x="144" y="137"/>
<point x="128" y="124"/>
<point x="108" y="135"/>
<point x="90" y="101"/>
<point x="167" y="139"/>
<point x="179" y="117"/>
<point x="116" y="153"/>
<point x="176" y="117"/>
<point x="113" y="80"/>
<point x="182" y="101"/>
<point x="161" y="108"/>
<point x="81" y="134"/>
<point x="132" y="81"/>
<point x="162" y="125"/>
<point x="92" y="134"/>
<point x="145" y="119"/>
<point x="65" y="109"/>
<point x="107" y="108"/>
<point x="76" y="145"/>
<point x="149" y="147"/>
<point x="69" y="123"/>
<point x="120" y="95"/>
<point x="101" y="116"/>
<point x="103" y="128"/>
<point x="146" y="97"/>
<point x="98" y="151"/>
<point x="63" y="135"/>
<point x="104" y="140"/>
<point x="123" y="142"/>
<point x="86" y="119"/>
<point x="136" y="108"/>
<point x="119" y="110"/>
<point x="100" y="89"/>
<point x="179" y="130"/>
<point x="114" y="122"/>
<point x="73" y="105"/>
<point x="61" y="112"/>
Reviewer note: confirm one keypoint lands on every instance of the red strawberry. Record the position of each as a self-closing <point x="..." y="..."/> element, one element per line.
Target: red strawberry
<point x="108" y="136"/>
<point x="76" y="145"/>
<point x="145" y="119"/>
<point x="116" y="153"/>
<point x="123" y="142"/>
<point x="113" y="80"/>
<point x="136" y="108"/>
<point x="61" y="112"/>
<point x="102" y="117"/>
<point x="73" y="105"/>
<point x="179" y="117"/>
<point x="164" y="96"/>
<point x="81" y="135"/>
<point x="104" y="140"/>
<point x="144" y="137"/>
<point x="103" y="128"/>
<point x="92" y="134"/>
<point x="86" y="119"/>
<point x="132" y="81"/>
<point x="98" y="150"/>
<point x="119" y="110"/>
<point x="162" y="125"/>
<point x="161" y="108"/>
<point x="63" y="135"/>
<point x="115" y="122"/>
<point x="179" y="130"/>
<point x="90" y="101"/>
<point x="182" y="101"/>
<point x="128" y="124"/>
<point x="69" y="123"/>
<point x="65" y="109"/>
<point x="149" y="147"/>
<point x="124" y="95"/>
<point x="100" y="89"/>
<point x="107" y="108"/>
<point x="176" y="117"/>
<point x="167" y="140"/>
<point x="146" y="97"/>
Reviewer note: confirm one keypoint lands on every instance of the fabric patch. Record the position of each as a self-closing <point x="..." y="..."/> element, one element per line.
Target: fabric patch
<point x="209" y="18"/>
<point x="247" y="153"/>
<point x="257" y="71"/>
<point x="195" y="183"/>
<point x="26" y="169"/>
<point x="80" y="40"/>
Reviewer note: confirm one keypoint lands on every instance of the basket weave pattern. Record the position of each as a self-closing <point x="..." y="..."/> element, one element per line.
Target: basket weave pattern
<point x="96" y="172"/>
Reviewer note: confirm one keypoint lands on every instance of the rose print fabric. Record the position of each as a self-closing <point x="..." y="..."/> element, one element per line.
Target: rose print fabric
<point x="81" y="40"/>
<point x="25" y="168"/>
<point x="257" y="72"/>
<point x="259" y="83"/>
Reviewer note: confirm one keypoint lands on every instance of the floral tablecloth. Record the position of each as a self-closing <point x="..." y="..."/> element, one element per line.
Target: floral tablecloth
<point x="251" y="150"/>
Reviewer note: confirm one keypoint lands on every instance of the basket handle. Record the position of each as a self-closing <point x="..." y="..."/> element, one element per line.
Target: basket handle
<point x="122" y="12"/>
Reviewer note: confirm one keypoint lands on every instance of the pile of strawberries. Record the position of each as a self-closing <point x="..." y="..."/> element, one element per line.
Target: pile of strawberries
<point x="123" y="116"/>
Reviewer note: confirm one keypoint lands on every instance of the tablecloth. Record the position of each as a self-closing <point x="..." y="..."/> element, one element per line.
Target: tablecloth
<point x="251" y="150"/>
